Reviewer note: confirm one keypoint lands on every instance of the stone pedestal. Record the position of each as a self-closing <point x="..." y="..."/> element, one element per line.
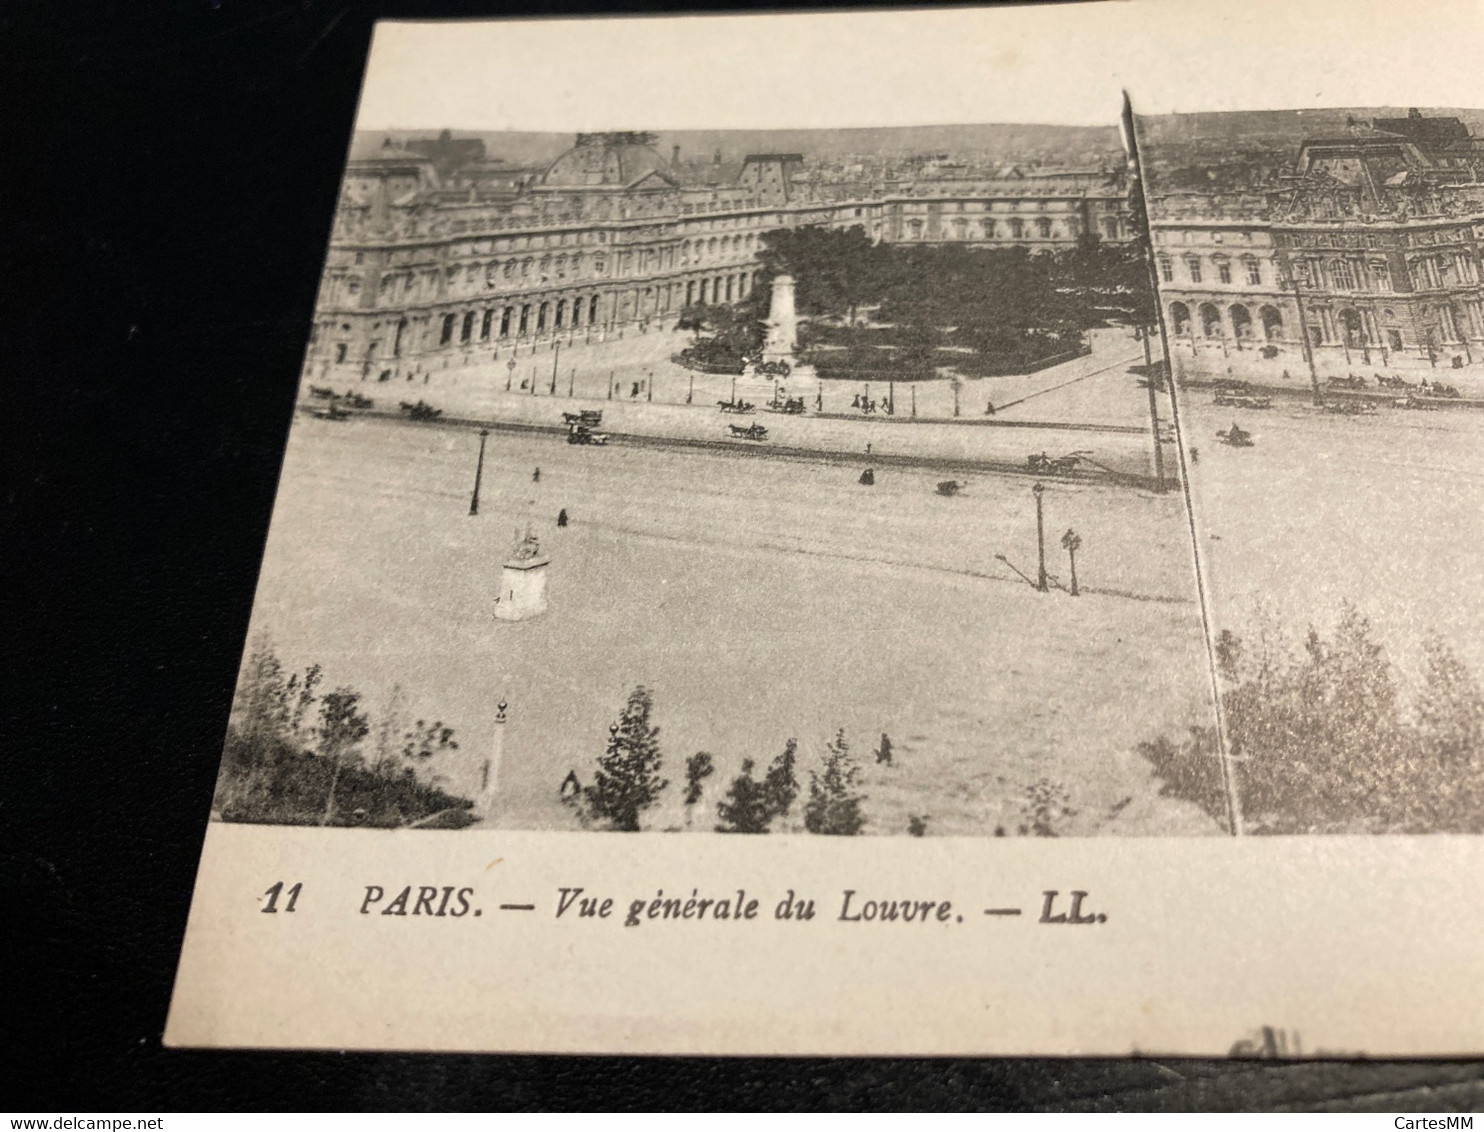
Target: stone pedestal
<point x="523" y="583"/>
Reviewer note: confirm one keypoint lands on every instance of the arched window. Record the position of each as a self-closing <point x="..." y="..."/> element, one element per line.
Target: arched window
<point x="1352" y="327"/>
<point x="704" y="288"/>
<point x="467" y="331"/>
<point x="1241" y="322"/>
<point x="1210" y="320"/>
<point x="685" y="252"/>
<point x="1179" y="318"/>
<point x="592" y="311"/>
<point x="561" y="313"/>
<point x="541" y="314"/>
<point x="576" y="313"/>
<point x="525" y="318"/>
<point x="505" y="316"/>
<point x="447" y="335"/>
<point x="339" y="352"/>
<point x="1272" y="323"/>
<point x="484" y="326"/>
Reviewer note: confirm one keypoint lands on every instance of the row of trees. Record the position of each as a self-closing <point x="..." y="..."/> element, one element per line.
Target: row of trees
<point x="296" y="756"/>
<point x="1322" y="740"/>
<point x="629" y="781"/>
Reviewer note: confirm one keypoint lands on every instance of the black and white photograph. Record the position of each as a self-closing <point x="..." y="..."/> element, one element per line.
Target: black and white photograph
<point x="729" y="480"/>
<point x="1319" y="280"/>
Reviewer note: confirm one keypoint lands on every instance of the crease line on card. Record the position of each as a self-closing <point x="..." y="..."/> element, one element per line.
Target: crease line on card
<point x="1228" y="780"/>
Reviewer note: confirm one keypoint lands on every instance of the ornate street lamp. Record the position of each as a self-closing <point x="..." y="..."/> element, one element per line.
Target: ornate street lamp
<point x="1071" y="542"/>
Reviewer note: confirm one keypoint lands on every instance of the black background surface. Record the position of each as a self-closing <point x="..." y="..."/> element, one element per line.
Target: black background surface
<point x="169" y="174"/>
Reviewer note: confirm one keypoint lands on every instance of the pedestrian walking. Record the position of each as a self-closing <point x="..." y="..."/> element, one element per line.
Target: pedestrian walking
<point x="562" y="517"/>
<point x="536" y="476"/>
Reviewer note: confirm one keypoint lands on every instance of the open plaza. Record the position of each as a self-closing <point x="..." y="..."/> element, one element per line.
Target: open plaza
<point x="760" y="600"/>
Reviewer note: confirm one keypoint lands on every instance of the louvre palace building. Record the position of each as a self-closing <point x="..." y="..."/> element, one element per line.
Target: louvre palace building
<point x="1364" y="257"/>
<point x="441" y="257"/>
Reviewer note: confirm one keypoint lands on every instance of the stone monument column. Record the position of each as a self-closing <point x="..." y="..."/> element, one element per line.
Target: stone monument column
<point x="783" y="322"/>
<point x="779" y="346"/>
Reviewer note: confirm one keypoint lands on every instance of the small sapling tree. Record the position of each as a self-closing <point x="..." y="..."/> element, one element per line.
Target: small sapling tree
<point x="628" y="780"/>
<point x="746" y="807"/>
<point x="699" y="767"/>
<point x="834" y="805"/>
<point x="342" y="725"/>
<point x="781" y="782"/>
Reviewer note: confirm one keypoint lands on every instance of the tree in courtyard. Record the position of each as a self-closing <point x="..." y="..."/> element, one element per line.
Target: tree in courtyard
<point x="746" y="808"/>
<point x="341" y="726"/>
<point x="834" y="805"/>
<point x="699" y="767"/>
<point x="628" y="780"/>
<point x="781" y="781"/>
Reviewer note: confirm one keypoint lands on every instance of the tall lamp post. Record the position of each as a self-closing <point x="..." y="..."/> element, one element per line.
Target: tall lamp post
<point x="1072" y="542"/>
<point x="509" y="373"/>
<point x="1291" y="280"/>
<point x="1038" y="490"/>
<point x="1143" y="333"/>
<point x="478" y="473"/>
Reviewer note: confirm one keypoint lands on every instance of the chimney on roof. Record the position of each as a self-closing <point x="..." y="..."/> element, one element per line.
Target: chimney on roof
<point x="674" y="155"/>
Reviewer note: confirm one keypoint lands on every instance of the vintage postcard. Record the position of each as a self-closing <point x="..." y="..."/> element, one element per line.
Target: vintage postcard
<point x="999" y="497"/>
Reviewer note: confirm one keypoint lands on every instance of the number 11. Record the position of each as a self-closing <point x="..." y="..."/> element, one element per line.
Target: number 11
<point x="273" y="893"/>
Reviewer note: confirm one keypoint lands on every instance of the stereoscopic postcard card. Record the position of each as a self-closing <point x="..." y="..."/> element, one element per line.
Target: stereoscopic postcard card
<point x="851" y="534"/>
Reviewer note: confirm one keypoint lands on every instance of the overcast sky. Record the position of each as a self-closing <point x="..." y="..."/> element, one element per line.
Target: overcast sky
<point x="1059" y="64"/>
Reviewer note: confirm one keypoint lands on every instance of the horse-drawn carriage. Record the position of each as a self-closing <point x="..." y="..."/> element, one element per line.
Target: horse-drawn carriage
<point x="331" y="412"/>
<point x="323" y="393"/>
<point x="1351" y="408"/>
<point x="790" y="405"/>
<point x="1353" y="381"/>
<point x="588" y="418"/>
<point x="421" y="411"/>
<point x="1412" y="402"/>
<point x="1040" y="462"/>
<point x="583" y="434"/>
<point x="737" y="406"/>
<point x="356" y="401"/>
<point x="779" y="368"/>
<point x="749" y="432"/>
<point x="1236" y="436"/>
<point x="1242" y="401"/>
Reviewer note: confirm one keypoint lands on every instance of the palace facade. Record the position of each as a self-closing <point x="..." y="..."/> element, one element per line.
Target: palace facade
<point x="439" y="257"/>
<point x="1365" y="258"/>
